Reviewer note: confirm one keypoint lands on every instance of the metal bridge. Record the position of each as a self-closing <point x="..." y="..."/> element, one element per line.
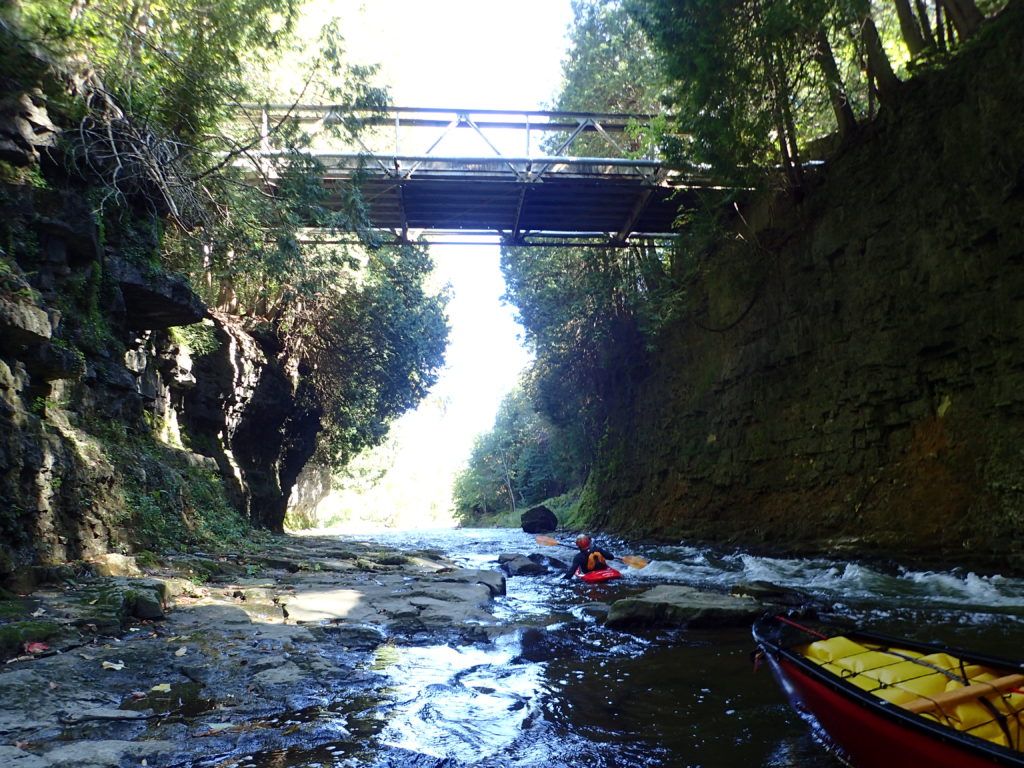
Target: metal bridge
<point x="440" y="173"/>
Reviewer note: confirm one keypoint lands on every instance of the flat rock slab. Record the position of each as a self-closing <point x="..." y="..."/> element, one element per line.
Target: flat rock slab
<point x="324" y="605"/>
<point x="671" y="605"/>
<point x="280" y="633"/>
<point x="453" y="597"/>
<point x="104" y="753"/>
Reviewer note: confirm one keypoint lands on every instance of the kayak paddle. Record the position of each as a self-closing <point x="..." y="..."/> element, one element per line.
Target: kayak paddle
<point x="633" y="561"/>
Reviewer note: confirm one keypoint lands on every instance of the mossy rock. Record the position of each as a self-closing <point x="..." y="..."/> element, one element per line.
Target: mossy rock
<point x="14" y="635"/>
<point x="345" y="554"/>
<point x="30" y="578"/>
<point x="147" y="559"/>
<point x="200" y="568"/>
<point x="12" y="609"/>
<point x="144" y="603"/>
<point x="113" y="604"/>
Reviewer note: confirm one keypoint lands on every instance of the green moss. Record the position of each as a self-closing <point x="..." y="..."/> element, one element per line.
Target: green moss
<point x="147" y="559"/>
<point x="14" y="635"/>
<point x="168" y="504"/>
<point x="587" y="508"/>
<point x="200" y="339"/>
<point x="27" y="175"/>
<point x="11" y="610"/>
<point x="565" y="505"/>
<point x="84" y="303"/>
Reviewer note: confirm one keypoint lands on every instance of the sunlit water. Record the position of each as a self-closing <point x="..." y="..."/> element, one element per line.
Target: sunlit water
<point x="560" y="690"/>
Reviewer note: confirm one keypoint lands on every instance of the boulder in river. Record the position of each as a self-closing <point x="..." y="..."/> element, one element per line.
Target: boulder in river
<point x="553" y="564"/>
<point x="515" y="564"/>
<point x="538" y="520"/>
<point x="672" y="605"/>
<point x="766" y="592"/>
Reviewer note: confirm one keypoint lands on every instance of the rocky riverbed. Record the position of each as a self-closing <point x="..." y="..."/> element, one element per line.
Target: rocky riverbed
<point x="198" y="659"/>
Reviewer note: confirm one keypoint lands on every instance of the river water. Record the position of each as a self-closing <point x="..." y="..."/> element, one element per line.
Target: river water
<point x="560" y="690"/>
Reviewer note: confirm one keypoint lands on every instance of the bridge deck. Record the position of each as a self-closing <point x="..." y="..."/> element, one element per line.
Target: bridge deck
<point x="523" y="199"/>
<point x="569" y="201"/>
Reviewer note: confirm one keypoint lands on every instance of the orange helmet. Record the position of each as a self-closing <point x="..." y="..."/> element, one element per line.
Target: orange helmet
<point x="583" y="541"/>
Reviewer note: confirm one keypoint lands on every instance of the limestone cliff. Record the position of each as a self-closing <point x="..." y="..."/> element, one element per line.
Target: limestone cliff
<point x="115" y="432"/>
<point x="854" y="380"/>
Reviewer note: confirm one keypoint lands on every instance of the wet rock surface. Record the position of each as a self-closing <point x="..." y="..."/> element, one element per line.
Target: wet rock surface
<point x="302" y="654"/>
<point x="217" y="654"/>
<point x="673" y="605"/>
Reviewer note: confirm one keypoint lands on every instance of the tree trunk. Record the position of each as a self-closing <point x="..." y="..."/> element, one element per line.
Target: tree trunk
<point x="649" y="267"/>
<point x="941" y="38"/>
<point x="965" y="16"/>
<point x="796" y="167"/>
<point x="925" y="22"/>
<point x="878" y="63"/>
<point x="825" y="57"/>
<point x="783" y="117"/>
<point x="508" y="480"/>
<point x="909" y="27"/>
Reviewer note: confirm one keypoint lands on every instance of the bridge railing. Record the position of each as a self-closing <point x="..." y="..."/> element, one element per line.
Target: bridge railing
<point x="399" y="140"/>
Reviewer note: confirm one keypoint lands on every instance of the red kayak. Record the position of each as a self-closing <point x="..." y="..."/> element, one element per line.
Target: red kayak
<point x="880" y="701"/>
<point x="602" y="574"/>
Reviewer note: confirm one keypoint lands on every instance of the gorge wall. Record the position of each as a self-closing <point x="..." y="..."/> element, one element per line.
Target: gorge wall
<point x="118" y="429"/>
<point x="852" y="378"/>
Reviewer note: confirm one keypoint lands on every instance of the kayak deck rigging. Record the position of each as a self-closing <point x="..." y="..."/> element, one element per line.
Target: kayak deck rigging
<point x="971" y="698"/>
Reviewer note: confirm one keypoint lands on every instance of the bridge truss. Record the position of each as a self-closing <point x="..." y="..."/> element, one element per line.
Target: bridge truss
<point x="440" y="173"/>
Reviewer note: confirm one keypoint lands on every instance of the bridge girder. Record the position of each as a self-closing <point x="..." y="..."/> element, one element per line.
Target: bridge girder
<point x="522" y="198"/>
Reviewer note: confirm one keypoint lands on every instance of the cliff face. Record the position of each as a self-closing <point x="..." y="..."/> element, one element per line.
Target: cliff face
<point x="855" y="380"/>
<point x="112" y="435"/>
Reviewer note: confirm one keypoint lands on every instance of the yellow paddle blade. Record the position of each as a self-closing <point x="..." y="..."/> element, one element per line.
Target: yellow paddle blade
<point x="633" y="561"/>
<point x="546" y="541"/>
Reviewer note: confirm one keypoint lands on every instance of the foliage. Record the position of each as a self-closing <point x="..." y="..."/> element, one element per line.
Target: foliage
<point x="610" y="63"/>
<point x="177" y="65"/>
<point x="375" y="352"/>
<point x="755" y="81"/>
<point x="522" y="461"/>
<point x="583" y="308"/>
<point x="610" y="67"/>
<point x="580" y="309"/>
<point x="192" y="511"/>
<point x="13" y="285"/>
<point x="86" y="324"/>
<point x="200" y="339"/>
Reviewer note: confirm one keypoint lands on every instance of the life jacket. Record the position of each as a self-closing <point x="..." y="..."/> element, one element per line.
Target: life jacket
<point x="595" y="562"/>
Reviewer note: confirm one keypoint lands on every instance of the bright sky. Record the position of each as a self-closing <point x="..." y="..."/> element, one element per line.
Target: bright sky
<point x="471" y="54"/>
<point x="480" y="54"/>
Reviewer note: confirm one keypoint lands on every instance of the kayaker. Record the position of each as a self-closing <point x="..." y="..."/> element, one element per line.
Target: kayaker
<point x="589" y="558"/>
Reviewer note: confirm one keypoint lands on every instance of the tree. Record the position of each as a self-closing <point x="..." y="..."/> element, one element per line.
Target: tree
<point x="520" y="462"/>
<point x="740" y="77"/>
<point x="370" y="344"/>
<point x="586" y="311"/>
<point x="580" y="311"/>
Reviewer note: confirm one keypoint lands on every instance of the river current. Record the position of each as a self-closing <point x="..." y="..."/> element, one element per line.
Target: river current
<point x="561" y="690"/>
